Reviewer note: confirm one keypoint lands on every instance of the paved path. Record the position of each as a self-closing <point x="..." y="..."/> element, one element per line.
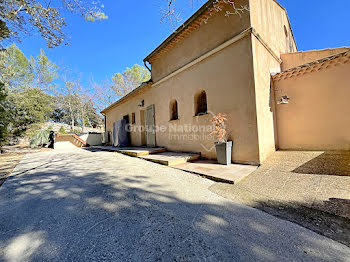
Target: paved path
<point x="92" y="206"/>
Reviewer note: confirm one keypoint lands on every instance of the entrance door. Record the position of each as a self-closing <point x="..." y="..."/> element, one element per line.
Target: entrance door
<point x="150" y="127"/>
<point x="127" y="122"/>
<point x="143" y="127"/>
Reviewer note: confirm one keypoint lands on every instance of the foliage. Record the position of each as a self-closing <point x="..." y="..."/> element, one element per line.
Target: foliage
<point x="68" y="101"/>
<point x="18" y="73"/>
<point x="91" y="116"/>
<point x="58" y="115"/>
<point x="77" y="104"/>
<point x="4" y="120"/>
<point x="107" y="92"/>
<point x="128" y="80"/>
<point x="75" y="131"/>
<point x="44" y="72"/>
<point x="104" y="94"/>
<point x="4" y="31"/>
<point x="62" y="130"/>
<point x="25" y="16"/>
<point x="219" y="128"/>
<point x="30" y="130"/>
<point x="26" y="99"/>
<point x="29" y="106"/>
<point x="15" y="69"/>
<point x="172" y="14"/>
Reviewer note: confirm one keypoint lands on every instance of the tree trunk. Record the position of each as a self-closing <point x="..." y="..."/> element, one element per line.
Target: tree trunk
<point x="83" y="124"/>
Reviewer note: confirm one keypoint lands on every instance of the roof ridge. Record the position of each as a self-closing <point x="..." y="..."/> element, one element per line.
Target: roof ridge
<point x="317" y="50"/>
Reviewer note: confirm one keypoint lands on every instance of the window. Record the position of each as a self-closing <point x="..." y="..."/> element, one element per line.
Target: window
<point x="133" y="118"/>
<point x="173" y="110"/>
<point x="201" y="103"/>
<point x="285" y="31"/>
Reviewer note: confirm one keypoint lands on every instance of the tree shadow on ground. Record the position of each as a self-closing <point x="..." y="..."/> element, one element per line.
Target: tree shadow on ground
<point x="335" y="163"/>
<point x="87" y="207"/>
<point x="324" y="223"/>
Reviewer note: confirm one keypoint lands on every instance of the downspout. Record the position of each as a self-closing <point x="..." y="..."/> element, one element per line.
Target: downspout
<point x="105" y="117"/>
<point x="144" y="62"/>
<point x="105" y="124"/>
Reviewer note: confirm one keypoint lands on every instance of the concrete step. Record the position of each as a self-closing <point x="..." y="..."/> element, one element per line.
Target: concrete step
<point x="210" y="169"/>
<point x="132" y="151"/>
<point x="140" y="151"/>
<point x="171" y="158"/>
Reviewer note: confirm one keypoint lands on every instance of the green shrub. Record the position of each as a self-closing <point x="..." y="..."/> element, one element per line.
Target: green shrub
<point x="30" y="131"/>
<point x="62" y="130"/>
<point x="50" y="128"/>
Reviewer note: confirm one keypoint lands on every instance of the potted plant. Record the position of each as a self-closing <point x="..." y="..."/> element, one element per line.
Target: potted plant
<point x="222" y="146"/>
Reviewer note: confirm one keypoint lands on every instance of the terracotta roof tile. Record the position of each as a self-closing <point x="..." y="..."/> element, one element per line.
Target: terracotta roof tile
<point x="314" y="66"/>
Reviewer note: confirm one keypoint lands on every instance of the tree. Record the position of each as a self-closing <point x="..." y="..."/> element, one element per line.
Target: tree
<point x="69" y="101"/>
<point x="108" y="91"/>
<point x="28" y="107"/>
<point x="172" y="14"/>
<point x="128" y="80"/>
<point x="23" y="16"/>
<point x="77" y="105"/>
<point x="89" y="114"/>
<point x="92" y="116"/>
<point x="103" y="94"/>
<point x="15" y="69"/>
<point x="44" y="72"/>
<point x="4" y="31"/>
<point x="18" y="73"/>
<point x="58" y="115"/>
<point x="4" y="121"/>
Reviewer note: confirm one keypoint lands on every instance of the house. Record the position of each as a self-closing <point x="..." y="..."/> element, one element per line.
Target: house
<point x="246" y="66"/>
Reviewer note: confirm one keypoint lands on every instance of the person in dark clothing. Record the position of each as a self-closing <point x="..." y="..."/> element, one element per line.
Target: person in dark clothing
<point x="51" y="140"/>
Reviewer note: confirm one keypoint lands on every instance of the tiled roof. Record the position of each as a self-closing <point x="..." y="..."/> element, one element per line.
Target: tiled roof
<point x="191" y="24"/>
<point x="315" y="66"/>
<point x="185" y="29"/>
<point x="134" y="92"/>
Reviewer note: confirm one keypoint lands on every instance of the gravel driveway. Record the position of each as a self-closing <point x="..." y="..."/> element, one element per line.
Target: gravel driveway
<point x="78" y="205"/>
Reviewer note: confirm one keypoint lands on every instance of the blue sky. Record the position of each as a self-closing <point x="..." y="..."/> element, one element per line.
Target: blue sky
<point x="133" y="30"/>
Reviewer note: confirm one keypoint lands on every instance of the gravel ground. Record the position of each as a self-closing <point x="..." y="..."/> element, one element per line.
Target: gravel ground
<point x="8" y="161"/>
<point x="308" y="188"/>
<point x="79" y="205"/>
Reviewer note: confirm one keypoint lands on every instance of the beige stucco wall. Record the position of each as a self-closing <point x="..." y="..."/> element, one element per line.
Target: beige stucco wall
<point x="236" y="79"/>
<point x="264" y="96"/>
<point x="93" y="139"/>
<point x="269" y="19"/>
<point x="292" y="60"/>
<point x="227" y="78"/>
<point x="316" y="117"/>
<point x="217" y="30"/>
<point x="270" y="22"/>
